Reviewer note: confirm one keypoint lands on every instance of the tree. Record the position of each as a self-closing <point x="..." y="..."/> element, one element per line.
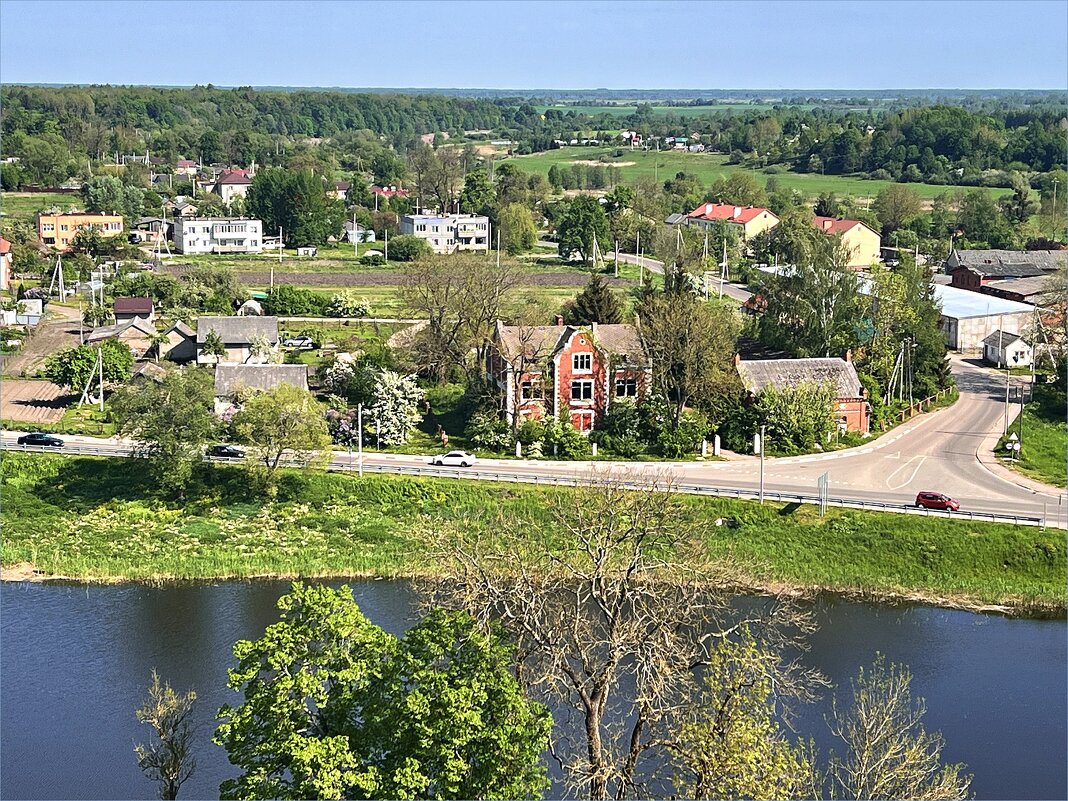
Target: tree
<point x="437" y="174"/>
<point x="691" y="346"/>
<point x="981" y="220"/>
<point x="555" y="181"/>
<point x="827" y="205"/>
<point x="169" y="759"/>
<point x="109" y="194"/>
<point x="896" y="206"/>
<point x="583" y="223"/>
<point x="478" y="193"/>
<point x="461" y="296"/>
<point x="213" y="345"/>
<point x="614" y="606"/>
<point x="96" y="316"/>
<point x="172" y="422"/>
<point x="334" y="707"/>
<point x="737" y="189"/>
<point x="281" y="420"/>
<point x="408" y="247"/>
<point x="1018" y="207"/>
<point x="888" y="752"/>
<point x="394" y="407"/>
<point x="73" y="368"/>
<point x="797" y="418"/>
<point x="517" y="229"/>
<point x="596" y="304"/>
<point x="298" y="203"/>
<point x="211" y="150"/>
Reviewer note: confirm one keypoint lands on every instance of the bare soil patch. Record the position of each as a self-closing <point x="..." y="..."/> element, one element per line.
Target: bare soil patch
<point x="594" y="163"/>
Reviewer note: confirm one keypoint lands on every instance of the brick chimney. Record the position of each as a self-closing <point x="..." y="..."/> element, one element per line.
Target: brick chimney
<point x="593" y="329"/>
<point x="737" y="359"/>
<point x="559" y="321"/>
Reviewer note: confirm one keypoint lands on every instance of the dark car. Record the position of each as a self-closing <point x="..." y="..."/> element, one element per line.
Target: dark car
<point x="936" y="500"/>
<point x="41" y="439"/>
<point x="226" y="452"/>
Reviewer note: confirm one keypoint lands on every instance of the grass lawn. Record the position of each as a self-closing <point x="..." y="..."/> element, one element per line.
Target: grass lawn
<point x="99" y="518"/>
<point x="25" y="205"/>
<point x="86" y="420"/>
<point x="710" y="166"/>
<point x="1044" y="436"/>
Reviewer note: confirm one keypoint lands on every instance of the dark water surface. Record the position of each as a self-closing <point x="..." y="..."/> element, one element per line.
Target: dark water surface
<point x="76" y="662"/>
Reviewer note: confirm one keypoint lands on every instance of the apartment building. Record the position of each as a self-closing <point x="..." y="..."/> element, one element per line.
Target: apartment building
<point x="450" y="232"/>
<point x="58" y="230"/>
<point x="218" y="235"/>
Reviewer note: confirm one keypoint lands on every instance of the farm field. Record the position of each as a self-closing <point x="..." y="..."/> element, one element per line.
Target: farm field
<point x="710" y="166"/>
<point x="24" y="205"/>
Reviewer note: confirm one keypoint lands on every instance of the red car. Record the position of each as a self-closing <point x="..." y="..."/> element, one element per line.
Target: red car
<point x="936" y="500"/>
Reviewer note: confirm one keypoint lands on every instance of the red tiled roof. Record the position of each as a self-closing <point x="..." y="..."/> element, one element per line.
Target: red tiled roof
<point x="186" y="163"/>
<point x="735" y="214"/>
<point x="234" y="177"/>
<point x="133" y="305"/>
<point x="831" y="225"/>
<point x="5" y="246"/>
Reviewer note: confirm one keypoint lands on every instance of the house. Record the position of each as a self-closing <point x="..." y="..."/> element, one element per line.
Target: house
<point x="137" y="333"/>
<point x="341" y="189"/>
<point x="448" y="233"/>
<point x="974" y="269"/>
<point x="186" y="167"/>
<point x="231" y="379"/>
<point x="389" y="191"/>
<point x="354" y="233"/>
<point x="750" y="220"/>
<point x="862" y="241"/>
<point x="6" y="262"/>
<point x="180" y="206"/>
<point x="151" y="229"/>
<point x="545" y="371"/>
<point x="231" y="184"/>
<point x="148" y="371"/>
<point x="218" y="235"/>
<point x="852" y="410"/>
<point x="238" y="334"/>
<point x="675" y="219"/>
<point x="126" y="309"/>
<point x="1004" y="349"/>
<point x="970" y="317"/>
<point x="58" y="230"/>
<point x="181" y="344"/>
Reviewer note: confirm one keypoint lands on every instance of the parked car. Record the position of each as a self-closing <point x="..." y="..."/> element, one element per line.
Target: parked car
<point x="936" y="500"/>
<point x="300" y="343"/>
<point x="40" y="439"/>
<point x="454" y="459"/>
<point x="226" y="452"/>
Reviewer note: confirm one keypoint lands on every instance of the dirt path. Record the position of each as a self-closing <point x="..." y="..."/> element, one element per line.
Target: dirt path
<point x="58" y="332"/>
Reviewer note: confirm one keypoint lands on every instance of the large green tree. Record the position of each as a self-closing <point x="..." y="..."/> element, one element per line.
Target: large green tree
<point x="283" y="421"/>
<point x="108" y="194"/>
<point x="298" y="203"/>
<point x="583" y="223"/>
<point x="334" y="707"/>
<point x="72" y="368"/>
<point x="517" y="229"/>
<point x="172" y="421"/>
<point x="597" y="303"/>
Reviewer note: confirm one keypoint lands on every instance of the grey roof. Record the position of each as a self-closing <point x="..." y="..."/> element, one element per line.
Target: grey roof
<point x="231" y="377"/>
<point x="182" y="329"/>
<point x="960" y="304"/>
<point x="782" y="373"/>
<point x="1002" y="338"/>
<point x="675" y="219"/>
<point x="149" y="370"/>
<point x="546" y="340"/>
<point x="1009" y="263"/>
<point x="1025" y="287"/>
<point x="238" y="330"/>
<point x="112" y="331"/>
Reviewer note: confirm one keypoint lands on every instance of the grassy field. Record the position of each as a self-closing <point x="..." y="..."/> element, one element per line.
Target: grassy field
<point x="25" y="205"/>
<point x="710" y="166"/>
<point x="1044" y="436"/>
<point x="97" y="519"/>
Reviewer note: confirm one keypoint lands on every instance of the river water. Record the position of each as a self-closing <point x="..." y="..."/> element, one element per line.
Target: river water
<point x="76" y="662"/>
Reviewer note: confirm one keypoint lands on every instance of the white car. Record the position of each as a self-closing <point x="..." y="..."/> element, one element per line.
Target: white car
<point x="454" y="459"/>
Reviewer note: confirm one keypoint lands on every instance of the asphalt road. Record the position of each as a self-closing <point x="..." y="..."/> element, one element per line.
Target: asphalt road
<point x="935" y="451"/>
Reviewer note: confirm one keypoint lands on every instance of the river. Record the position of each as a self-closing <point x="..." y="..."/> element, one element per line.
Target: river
<point x="76" y="661"/>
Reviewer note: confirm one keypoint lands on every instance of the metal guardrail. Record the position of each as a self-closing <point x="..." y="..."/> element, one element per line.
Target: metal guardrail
<point x="572" y="481"/>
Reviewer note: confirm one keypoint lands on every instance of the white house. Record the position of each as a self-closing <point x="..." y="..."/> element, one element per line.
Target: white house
<point x="448" y="233"/>
<point x="1004" y="349"/>
<point x="231" y="184"/>
<point x="218" y="235"/>
<point x="354" y="233"/>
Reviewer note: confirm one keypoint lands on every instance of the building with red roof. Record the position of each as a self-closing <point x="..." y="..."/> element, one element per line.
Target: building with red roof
<point x="232" y="183"/>
<point x="6" y="258"/>
<point x="750" y="220"/>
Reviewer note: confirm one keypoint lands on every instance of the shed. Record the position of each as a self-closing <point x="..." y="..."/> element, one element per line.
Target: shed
<point x="232" y="378"/>
<point x="1005" y="349"/>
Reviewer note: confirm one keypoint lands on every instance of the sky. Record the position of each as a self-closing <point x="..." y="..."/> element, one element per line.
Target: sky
<point x="535" y="45"/>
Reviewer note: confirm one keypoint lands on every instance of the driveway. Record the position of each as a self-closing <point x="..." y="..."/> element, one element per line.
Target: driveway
<point x="57" y="332"/>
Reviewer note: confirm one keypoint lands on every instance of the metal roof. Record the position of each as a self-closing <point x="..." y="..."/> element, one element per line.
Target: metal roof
<point x="960" y="304"/>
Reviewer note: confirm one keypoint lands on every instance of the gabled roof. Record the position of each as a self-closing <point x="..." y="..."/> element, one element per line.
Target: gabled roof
<point x="149" y="370"/>
<point x="783" y="373"/>
<point x="342" y="186"/>
<point x="1024" y="287"/>
<point x="234" y="177"/>
<point x="1010" y="263"/>
<point x="542" y="341"/>
<point x="238" y="330"/>
<point x="182" y="329"/>
<point x="675" y="219"/>
<point x="1002" y="338"/>
<point x="833" y="225"/>
<point x="726" y="213"/>
<point x="231" y="377"/>
<point x="138" y="324"/>
<point x="186" y="163"/>
<point x="133" y="306"/>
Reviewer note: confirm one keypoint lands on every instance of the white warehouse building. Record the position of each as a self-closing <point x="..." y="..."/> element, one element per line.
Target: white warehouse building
<point x="448" y="233"/>
<point x="970" y="317"/>
<point x="218" y="235"/>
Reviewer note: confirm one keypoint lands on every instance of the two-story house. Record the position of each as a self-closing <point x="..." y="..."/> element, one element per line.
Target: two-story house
<point x="238" y="334"/>
<point x="750" y="221"/>
<point x="218" y="235"/>
<point x="450" y="232"/>
<point x="231" y="184"/>
<point x="862" y="241"/>
<point x="551" y="370"/>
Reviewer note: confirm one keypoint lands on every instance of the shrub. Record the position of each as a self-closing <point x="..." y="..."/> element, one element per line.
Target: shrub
<point x="373" y="260"/>
<point x="569" y="441"/>
<point x="684" y="440"/>
<point x="407" y="247"/>
<point x="486" y="430"/>
<point x="531" y="431"/>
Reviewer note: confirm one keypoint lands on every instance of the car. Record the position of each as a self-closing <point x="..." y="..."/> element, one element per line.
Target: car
<point x="40" y="439"/>
<point x="226" y="452"/>
<point x="454" y="459"/>
<point x="936" y="500"/>
<point x="300" y="343"/>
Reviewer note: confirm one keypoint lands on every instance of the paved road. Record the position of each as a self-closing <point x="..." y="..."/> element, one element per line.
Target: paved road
<point x="936" y="451"/>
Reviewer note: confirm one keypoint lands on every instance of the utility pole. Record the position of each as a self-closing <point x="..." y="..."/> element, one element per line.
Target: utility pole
<point x="617" y="258"/>
<point x="100" y="366"/>
<point x="638" y="253"/>
<point x="355" y="237"/>
<point x="1053" y="211"/>
<point x="762" y="448"/>
<point x="385" y="233"/>
<point x="359" y="434"/>
<point x="723" y="269"/>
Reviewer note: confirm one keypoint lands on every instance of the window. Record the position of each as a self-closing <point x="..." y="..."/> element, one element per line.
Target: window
<point x="582" y="363"/>
<point x="436" y="229"/>
<point x="50" y="240"/>
<point x="530" y="390"/>
<point x="626" y="387"/>
<point x="63" y="228"/>
<point x="48" y="226"/>
<point x="581" y="390"/>
<point x="420" y="228"/>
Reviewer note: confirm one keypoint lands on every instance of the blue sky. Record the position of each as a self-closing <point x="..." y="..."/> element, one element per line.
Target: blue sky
<point x="710" y="45"/>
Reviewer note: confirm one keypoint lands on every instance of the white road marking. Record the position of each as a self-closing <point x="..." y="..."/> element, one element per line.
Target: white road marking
<point x="918" y="459"/>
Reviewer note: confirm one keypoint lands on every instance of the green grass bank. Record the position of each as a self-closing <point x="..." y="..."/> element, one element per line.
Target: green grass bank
<point x="1043" y="435"/>
<point x="97" y="519"/>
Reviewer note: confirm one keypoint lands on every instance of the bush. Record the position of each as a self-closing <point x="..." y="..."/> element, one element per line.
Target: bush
<point x="569" y="441"/>
<point x="486" y="430"/>
<point x="531" y="431"/>
<point x="407" y="247"/>
<point x="373" y="260"/>
<point x="881" y="175"/>
<point x="293" y="301"/>
<point x="348" y="304"/>
<point x="684" y="440"/>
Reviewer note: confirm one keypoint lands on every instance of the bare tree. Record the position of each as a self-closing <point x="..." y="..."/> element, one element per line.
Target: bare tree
<point x="614" y="604"/>
<point x="889" y="754"/>
<point x="437" y="174"/>
<point x="168" y="759"/>
<point x="527" y="344"/>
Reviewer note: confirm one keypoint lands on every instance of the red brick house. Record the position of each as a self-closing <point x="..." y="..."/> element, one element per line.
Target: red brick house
<point x="548" y="370"/>
<point x="852" y="410"/>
